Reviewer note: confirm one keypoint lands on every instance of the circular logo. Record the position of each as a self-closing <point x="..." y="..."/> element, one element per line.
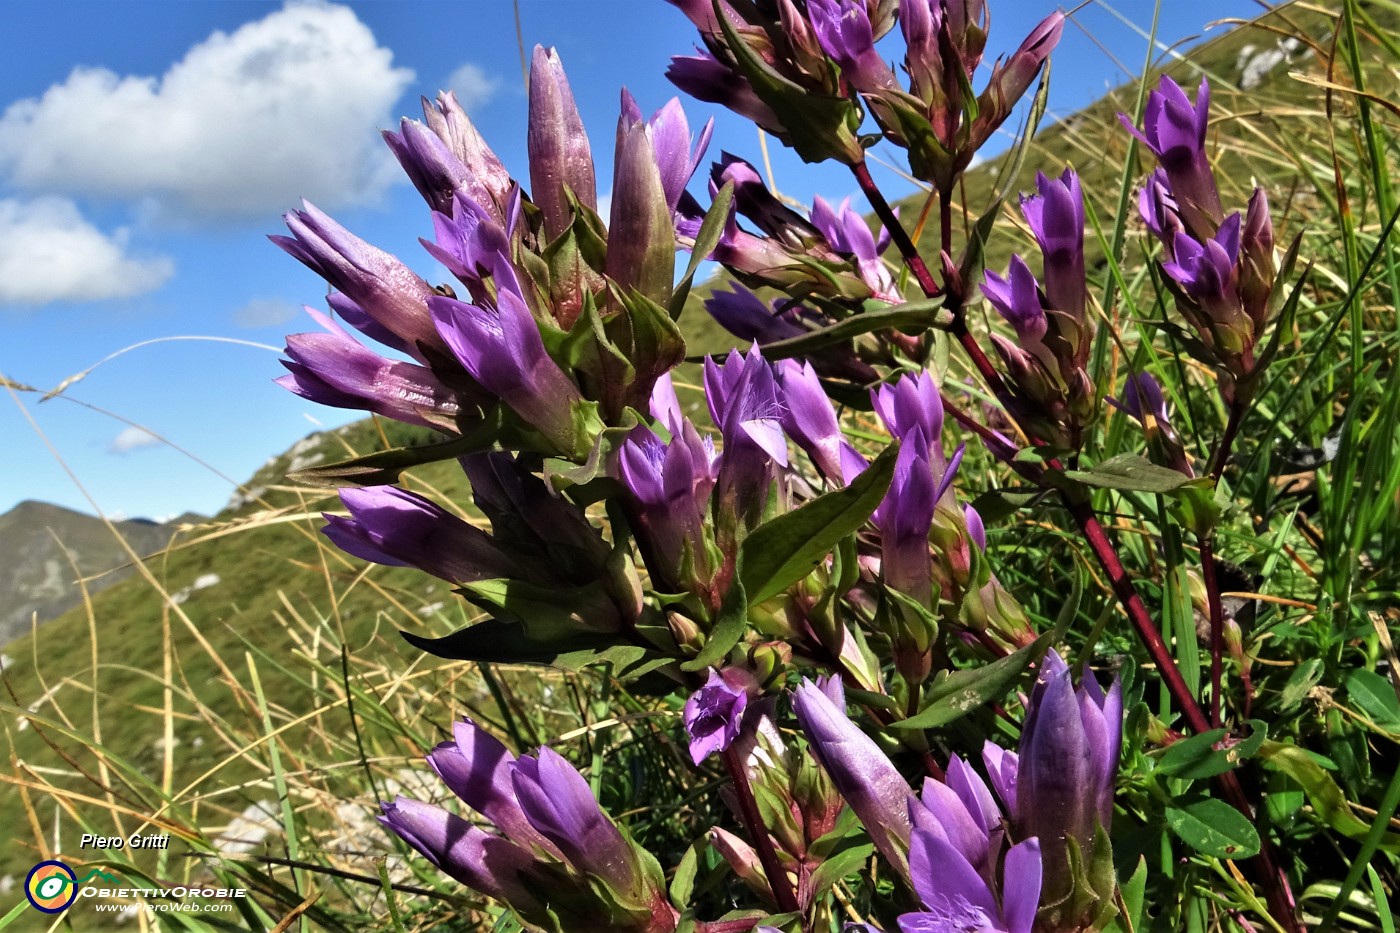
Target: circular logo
<point x="51" y="886"/>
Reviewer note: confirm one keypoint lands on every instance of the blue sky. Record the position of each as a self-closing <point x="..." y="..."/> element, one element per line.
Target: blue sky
<point x="147" y="148"/>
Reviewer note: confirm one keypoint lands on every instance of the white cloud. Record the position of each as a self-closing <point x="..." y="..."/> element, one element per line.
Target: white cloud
<point x="265" y="312"/>
<point x="132" y="438"/>
<point x="49" y="252"/>
<point x="247" y="122"/>
<point x="473" y="86"/>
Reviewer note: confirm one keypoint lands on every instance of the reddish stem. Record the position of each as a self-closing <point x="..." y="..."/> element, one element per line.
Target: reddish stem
<point x="767" y="855"/>
<point x="1273" y="880"/>
<point x="1217" y="623"/>
<point x="898" y="235"/>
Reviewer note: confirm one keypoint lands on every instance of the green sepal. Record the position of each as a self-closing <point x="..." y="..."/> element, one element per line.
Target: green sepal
<point x="711" y="230"/>
<point x="383" y="467"/>
<point x="648" y="337"/>
<point x="1197" y="505"/>
<point x="729" y="627"/>
<point x="817" y="126"/>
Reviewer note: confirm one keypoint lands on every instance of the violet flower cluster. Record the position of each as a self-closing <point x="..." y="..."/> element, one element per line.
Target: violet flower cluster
<point x="1054" y="395"/>
<point x="1220" y="267"/>
<point x="554" y="856"/>
<point x="728" y="550"/>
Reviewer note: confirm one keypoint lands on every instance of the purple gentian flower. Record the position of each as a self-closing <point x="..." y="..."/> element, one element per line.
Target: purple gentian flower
<point x="484" y="862"/>
<point x="843" y="30"/>
<point x="333" y="368"/>
<point x="545" y="818"/>
<point x="473" y="246"/>
<point x="754" y="201"/>
<point x="904" y="518"/>
<point x="848" y="233"/>
<point x="702" y="14"/>
<point x="1068" y="756"/>
<point x="501" y="347"/>
<point x="863" y="775"/>
<point x="678" y="154"/>
<point x="641" y="250"/>
<point x="1056" y="217"/>
<point x="1142" y="398"/>
<point x="911" y="405"/>
<point x="750" y="318"/>
<point x="1207" y="272"/>
<point x="743" y="399"/>
<point x="558" y="146"/>
<point x="490" y="183"/>
<point x="1158" y="208"/>
<point x="378" y="283"/>
<point x="669" y="487"/>
<point x="1017" y="299"/>
<point x="808" y="419"/>
<point x="705" y="78"/>
<point x="559" y="804"/>
<point x="477" y="768"/>
<point x="958" y="899"/>
<point x="1143" y="401"/>
<point x="714" y="714"/>
<point x="1175" y="130"/>
<point x="1257" y="269"/>
<point x="388" y="525"/>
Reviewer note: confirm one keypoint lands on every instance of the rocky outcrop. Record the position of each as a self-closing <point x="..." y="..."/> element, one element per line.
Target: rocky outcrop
<point x="41" y="544"/>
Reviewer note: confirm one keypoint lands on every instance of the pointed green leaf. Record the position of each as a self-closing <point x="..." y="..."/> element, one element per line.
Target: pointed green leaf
<point x="1213" y="827"/>
<point x="1373" y="695"/>
<point x="1130" y="472"/>
<point x="911" y="317"/>
<point x="780" y="552"/>
<point x="955" y="694"/>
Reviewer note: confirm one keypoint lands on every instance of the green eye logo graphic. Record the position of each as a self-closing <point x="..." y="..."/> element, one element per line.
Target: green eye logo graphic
<point x="51" y="886"/>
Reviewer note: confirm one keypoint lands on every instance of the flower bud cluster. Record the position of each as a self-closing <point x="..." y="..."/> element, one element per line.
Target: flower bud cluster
<point x="1054" y="397"/>
<point x="1220" y="268"/>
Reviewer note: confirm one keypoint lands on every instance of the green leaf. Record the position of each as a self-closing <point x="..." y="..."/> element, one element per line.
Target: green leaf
<point x="382" y="468"/>
<point x="728" y="629"/>
<point x="1213" y="827"/>
<point x="1375" y="697"/>
<point x="1132" y="473"/>
<point x="498" y="641"/>
<point x="1133" y="893"/>
<point x="1304" y="677"/>
<point x="711" y="229"/>
<point x="996" y="504"/>
<point x="838" y="866"/>
<point x="567" y="627"/>
<point x="1195" y="757"/>
<point x="780" y="552"/>
<point x="954" y="694"/>
<point x="1327" y="799"/>
<point x="683" y="884"/>
<point x="818" y="126"/>
<point x="913" y="316"/>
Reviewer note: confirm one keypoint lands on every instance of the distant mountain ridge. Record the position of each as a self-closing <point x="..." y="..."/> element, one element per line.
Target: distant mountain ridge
<point x="42" y="543"/>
